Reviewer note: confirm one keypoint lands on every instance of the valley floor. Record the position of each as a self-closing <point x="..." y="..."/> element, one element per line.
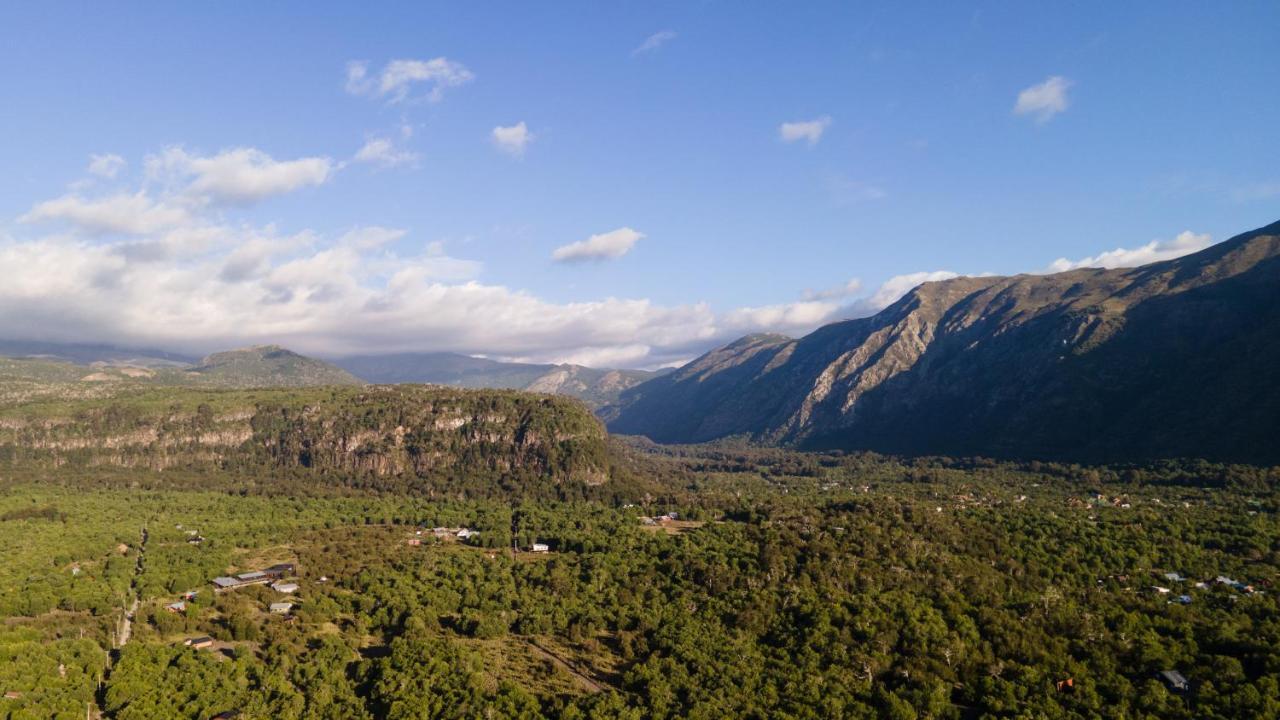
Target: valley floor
<point x="789" y="586"/>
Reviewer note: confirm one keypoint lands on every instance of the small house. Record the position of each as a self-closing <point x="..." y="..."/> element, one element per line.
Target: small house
<point x="1184" y="599"/>
<point x="1175" y="680"/>
<point x="284" y="587"/>
<point x="13" y="695"/>
<point x="465" y="533"/>
<point x="199" y="643"/>
<point x="1173" y="577"/>
<point x="280" y="608"/>
<point x="190" y="594"/>
<point x="1161" y="590"/>
<point x="176" y="607"/>
<point x="414" y="542"/>
<point x="540" y="548"/>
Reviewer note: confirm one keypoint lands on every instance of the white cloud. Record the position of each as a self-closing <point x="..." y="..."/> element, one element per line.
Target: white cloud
<point x="1045" y="99"/>
<point x="131" y="214"/>
<point x="513" y="139"/>
<point x="605" y="246"/>
<point x="1185" y="243"/>
<point x="808" y="130"/>
<point x="383" y="152"/>
<point x="787" y="318"/>
<point x="655" y="41"/>
<point x="106" y="166"/>
<point x="398" y="77"/>
<point x="238" y="175"/>
<point x="895" y="287"/>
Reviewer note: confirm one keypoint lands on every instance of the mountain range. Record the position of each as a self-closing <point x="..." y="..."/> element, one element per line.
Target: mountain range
<point x="594" y="386"/>
<point x="1173" y="359"/>
<point x="72" y="365"/>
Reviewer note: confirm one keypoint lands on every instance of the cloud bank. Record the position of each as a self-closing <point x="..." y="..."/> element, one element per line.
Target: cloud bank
<point x="1185" y="243"/>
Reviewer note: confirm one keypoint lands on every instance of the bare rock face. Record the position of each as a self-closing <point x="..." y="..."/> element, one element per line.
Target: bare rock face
<point x="1174" y="359"/>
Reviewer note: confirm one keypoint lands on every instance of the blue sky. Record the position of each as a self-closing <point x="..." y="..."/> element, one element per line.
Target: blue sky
<point x="232" y="202"/>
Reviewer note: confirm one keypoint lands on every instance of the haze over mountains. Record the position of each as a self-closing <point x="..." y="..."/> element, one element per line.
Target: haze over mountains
<point x="594" y="386"/>
<point x="1173" y="359"/>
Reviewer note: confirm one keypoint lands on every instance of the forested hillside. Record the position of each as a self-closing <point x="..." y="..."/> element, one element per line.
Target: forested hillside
<point x="401" y="432"/>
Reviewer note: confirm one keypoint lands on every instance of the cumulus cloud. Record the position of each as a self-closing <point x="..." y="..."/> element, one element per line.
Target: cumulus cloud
<point x="808" y="130"/>
<point x="1185" y="243"/>
<point x="605" y="246"/>
<point x="654" y="41"/>
<point x="384" y="152"/>
<point x="106" y="166"/>
<point x="1044" y="100"/>
<point x="130" y="214"/>
<point x="398" y="78"/>
<point x="513" y="139"/>
<point x="237" y="176"/>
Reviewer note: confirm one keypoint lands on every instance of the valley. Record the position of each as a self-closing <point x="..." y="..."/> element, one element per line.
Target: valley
<point x="797" y="584"/>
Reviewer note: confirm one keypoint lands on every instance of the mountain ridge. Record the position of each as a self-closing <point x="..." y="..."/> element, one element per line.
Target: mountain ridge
<point x="1003" y="366"/>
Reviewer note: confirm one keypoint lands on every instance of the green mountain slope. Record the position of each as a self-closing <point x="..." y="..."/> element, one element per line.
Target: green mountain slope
<point x="399" y="432"/>
<point x="1174" y="359"/>
<point x="267" y="366"/>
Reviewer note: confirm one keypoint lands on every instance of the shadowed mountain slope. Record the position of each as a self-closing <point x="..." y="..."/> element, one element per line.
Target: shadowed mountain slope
<point x="1177" y="358"/>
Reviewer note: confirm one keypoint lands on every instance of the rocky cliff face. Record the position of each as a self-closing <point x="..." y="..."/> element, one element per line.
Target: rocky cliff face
<point x="1179" y="358"/>
<point x="378" y="431"/>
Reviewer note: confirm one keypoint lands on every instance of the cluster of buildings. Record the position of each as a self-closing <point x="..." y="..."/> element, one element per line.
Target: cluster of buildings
<point x="669" y="517"/>
<point x="255" y="577"/>
<point x="1186" y="599"/>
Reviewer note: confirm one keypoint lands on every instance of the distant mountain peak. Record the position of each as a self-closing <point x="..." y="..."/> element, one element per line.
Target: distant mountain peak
<point x="269" y="365"/>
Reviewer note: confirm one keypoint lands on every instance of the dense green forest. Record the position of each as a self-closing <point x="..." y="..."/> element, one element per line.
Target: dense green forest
<point x="789" y="586"/>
